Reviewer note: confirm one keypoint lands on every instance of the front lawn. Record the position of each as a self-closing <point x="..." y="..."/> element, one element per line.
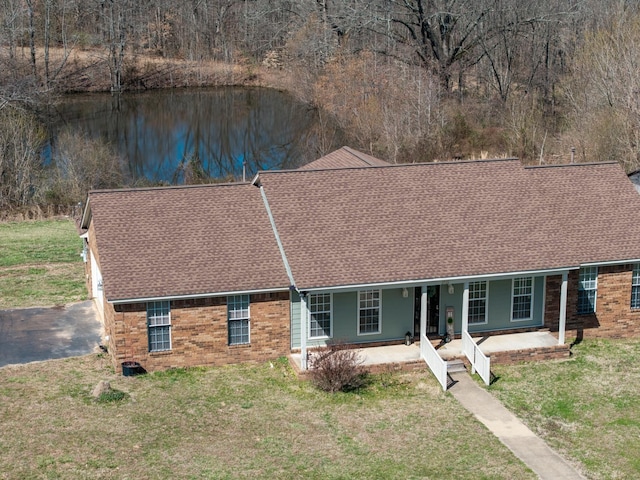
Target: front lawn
<point x="242" y="421"/>
<point x="587" y="408"/>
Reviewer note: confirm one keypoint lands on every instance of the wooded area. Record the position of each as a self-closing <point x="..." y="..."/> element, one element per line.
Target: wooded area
<point x="407" y="80"/>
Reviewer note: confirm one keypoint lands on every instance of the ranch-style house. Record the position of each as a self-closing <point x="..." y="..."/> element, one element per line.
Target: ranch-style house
<point x="351" y="249"/>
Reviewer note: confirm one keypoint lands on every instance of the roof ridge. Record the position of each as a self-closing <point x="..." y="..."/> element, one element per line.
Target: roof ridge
<point x="393" y="165"/>
<point x="169" y="187"/>
<point x="558" y="165"/>
<point x="359" y="156"/>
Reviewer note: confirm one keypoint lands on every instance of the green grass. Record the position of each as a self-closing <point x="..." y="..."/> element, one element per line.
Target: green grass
<point x="236" y="422"/>
<point x="588" y="408"/>
<point x="40" y="264"/>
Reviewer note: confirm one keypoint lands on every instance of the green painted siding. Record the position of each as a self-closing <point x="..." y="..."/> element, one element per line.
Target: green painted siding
<point x="448" y="300"/>
<point x="397" y="313"/>
<point x="499" y="302"/>
<point x="397" y="318"/>
<point x="295" y="319"/>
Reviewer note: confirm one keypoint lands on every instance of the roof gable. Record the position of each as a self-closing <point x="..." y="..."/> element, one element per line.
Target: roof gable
<point x="344" y="157"/>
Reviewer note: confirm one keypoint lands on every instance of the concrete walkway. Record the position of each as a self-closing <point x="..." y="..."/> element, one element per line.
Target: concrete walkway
<point x="529" y="448"/>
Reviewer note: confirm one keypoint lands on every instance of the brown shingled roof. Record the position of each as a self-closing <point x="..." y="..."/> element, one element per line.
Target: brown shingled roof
<point x="444" y="220"/>
<point x="344" y="157"/>
<point x="178" y="241"/>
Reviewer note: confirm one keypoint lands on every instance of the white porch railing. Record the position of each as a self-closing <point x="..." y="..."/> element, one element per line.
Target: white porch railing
<point x="435" y="362"/>
<point x="480" y="363"/>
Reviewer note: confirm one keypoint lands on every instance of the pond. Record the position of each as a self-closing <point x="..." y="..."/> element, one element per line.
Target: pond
<point x="220" y="130"/>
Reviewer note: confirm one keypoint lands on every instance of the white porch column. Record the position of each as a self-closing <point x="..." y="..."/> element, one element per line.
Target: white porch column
<point x="423" y="312"/>
<point x="465" y="307"/>
<point x="563" y="308"/>
<point x="304" y="312"/>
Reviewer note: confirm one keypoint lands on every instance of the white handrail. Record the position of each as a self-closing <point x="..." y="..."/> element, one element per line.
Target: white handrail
<point x="480" y="363"/>
<point x="435" y="362"/>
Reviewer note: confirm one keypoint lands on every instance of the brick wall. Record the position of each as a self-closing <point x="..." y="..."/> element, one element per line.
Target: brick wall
<point x="199" y="334"/>
<point x="613" y="317"/>
<point x="530" y="355"/>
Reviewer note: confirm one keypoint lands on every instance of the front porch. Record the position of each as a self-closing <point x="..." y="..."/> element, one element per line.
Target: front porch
<point x="503" y="348"/>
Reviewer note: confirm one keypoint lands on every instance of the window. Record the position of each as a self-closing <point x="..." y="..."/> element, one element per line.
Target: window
<point x="522" y="300"/>
<point x="368" y="312"/>
<point x="587" y="287"/>
<point x="159" y="326"/>
<point x="320" y="315"/>
<point x="238" y="319"/>
<point x="635" y="287"/>
<point x="478" y="302"/>
<point x="85" y="250"/>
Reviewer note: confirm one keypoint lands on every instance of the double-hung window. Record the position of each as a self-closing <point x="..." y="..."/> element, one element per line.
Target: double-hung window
<point x="635" y="286"/>
<point x="522" y="299"/>
<point x="369" y="312"/>
<point x="159" y="326"/>
<point x="478" y="302"/>
<point x="238" y="319"/>
<point x="319" y="315"/>
<point x="587" y="288"/>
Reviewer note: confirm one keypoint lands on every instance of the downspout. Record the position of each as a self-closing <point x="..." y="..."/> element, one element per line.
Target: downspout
<point x="304" y="312"/>
<point x="292" y="283"/>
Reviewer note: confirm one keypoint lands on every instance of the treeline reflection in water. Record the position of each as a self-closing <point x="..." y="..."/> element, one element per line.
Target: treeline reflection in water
<point x="162" y="135"/>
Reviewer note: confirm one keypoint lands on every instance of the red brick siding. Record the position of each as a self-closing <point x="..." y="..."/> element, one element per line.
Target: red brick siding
<point x="530" y="355"/>
<point x="613" y="318"/>
<point x="199" y="334"/>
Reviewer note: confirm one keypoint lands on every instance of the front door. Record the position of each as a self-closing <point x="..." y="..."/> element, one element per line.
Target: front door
<point x="433" y="309"/>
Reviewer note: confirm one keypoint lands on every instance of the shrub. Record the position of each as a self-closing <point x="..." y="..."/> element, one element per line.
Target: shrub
<point x="112" y="396"/>
<point x="336" y="368"/>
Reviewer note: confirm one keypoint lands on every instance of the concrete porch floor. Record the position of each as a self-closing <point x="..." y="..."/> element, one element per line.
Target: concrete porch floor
<point x="500" y="343"/>
<point x="409" y="354"/>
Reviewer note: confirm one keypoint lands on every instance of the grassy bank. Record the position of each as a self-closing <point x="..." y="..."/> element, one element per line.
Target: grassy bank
<point x="588" y="408"/>
<point x="236" y="422"/>
<point x="40" y="264"/>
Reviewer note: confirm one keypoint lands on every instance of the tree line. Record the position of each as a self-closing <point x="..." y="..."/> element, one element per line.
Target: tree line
<point x="408" y="80"/>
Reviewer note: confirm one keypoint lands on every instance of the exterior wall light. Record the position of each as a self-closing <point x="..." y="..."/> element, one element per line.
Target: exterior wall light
<point x="405" y="293"/>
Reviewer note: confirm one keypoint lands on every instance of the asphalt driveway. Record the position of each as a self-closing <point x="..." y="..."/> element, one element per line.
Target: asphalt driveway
<point x="34" y="334"/>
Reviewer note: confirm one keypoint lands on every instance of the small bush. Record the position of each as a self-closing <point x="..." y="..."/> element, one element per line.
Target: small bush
<point x="111" y="396"/>
<point x="337" y="368"/>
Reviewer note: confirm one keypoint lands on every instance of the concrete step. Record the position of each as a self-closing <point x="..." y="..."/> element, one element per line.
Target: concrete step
<point x="456" y="366"/>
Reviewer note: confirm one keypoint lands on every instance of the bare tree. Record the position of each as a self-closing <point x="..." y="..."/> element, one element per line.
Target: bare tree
<point x="604" y="93"/>
<point x="21" y="138"/>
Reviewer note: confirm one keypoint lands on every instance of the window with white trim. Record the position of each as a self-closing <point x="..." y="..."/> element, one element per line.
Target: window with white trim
<point x="369" y="312"/>
<point x="522" y="299"/>
<point x="159" y="326"/>
<point x="319" y="315"/>
<point x="238" y="319"/>
<point x="587" y="288"/>
<point x="635" y="286"/>
<point x="477" y="302"/>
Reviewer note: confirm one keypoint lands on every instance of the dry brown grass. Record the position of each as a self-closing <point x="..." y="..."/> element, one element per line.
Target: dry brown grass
<point x="86" y="70"/>
<point x="247" y="421"/>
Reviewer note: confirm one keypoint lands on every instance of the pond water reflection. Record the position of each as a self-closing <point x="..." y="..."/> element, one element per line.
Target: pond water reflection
<point x="159" y="133"/>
